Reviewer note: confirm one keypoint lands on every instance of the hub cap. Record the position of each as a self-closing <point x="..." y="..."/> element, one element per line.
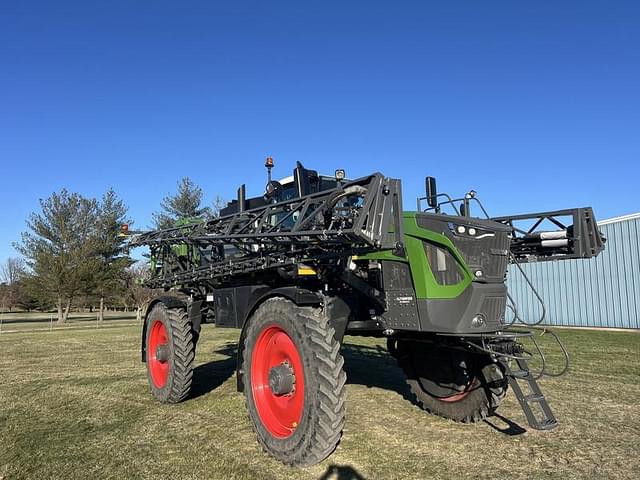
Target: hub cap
<point x="158" y="354"/>
<point x="277" y="382"/>
<point x="281" y="379"/>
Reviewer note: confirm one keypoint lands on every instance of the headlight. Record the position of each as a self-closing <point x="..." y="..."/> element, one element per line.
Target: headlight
<point x="470" y="232"/>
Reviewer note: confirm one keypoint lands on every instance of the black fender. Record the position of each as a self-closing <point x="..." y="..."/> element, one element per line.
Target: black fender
<point x="170" y="302"/>
<point x="299" y="296"/>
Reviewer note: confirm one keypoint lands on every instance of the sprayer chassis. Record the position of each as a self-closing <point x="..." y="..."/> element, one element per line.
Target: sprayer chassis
<point x="297" y="275"/>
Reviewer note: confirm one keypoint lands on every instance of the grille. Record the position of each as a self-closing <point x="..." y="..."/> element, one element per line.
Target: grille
<point x="488" y="254"/>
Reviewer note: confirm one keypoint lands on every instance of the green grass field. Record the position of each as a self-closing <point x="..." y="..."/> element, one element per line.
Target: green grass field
<point x="74" y="403"/>
<point x="39" y="321"/>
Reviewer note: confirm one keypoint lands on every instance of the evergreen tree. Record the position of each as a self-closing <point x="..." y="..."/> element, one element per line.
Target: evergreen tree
<point x="32" y="297"/>
<point x="185" y="203"/>
<point x="60" y="246"/>
<point x="108" y="280"/>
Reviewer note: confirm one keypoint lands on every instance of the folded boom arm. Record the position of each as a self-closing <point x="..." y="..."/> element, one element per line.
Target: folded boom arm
<point x="556" y="235"/>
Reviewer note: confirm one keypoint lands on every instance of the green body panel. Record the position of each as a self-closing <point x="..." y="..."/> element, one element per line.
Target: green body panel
<point x="381" y="255"/>
<point x="424" y="281"/>
<point x="181" y="249"/>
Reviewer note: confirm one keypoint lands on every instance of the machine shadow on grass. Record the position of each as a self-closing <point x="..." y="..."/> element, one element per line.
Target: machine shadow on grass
<point x="209" y="376"/>
<point x="374" y="367"/>
<point x="364" y="365"/>
<point x="341" y="472"/>
<point x="511" y="428"/>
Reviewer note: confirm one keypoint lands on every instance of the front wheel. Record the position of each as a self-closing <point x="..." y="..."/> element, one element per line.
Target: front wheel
<point x="170" y="352"/>
<point x="451" y="382"/>
<point x="294" y="382"/>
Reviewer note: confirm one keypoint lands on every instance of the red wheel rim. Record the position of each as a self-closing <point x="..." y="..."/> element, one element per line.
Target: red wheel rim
<point x="280" y="414"/>
<point x="158" y="368"/>
<point x="456" y="397"/>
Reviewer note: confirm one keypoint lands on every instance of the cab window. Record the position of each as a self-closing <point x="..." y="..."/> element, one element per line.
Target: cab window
<point x="444" y="266"/>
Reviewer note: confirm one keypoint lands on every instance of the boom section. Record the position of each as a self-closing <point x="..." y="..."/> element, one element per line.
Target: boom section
<point x="356" y="217"/>
<point x="555" y="235"/>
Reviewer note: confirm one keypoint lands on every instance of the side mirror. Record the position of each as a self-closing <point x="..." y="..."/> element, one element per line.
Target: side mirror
<point x="432" y="192"/>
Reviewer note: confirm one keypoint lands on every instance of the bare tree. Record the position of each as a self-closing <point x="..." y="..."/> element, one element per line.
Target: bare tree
<point x="138" y="294"/>
<point x="12" y="272"/>
<point x="218" y="204"/>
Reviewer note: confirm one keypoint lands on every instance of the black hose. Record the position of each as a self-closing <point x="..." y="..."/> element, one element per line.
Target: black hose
<point x="535" y="292"/>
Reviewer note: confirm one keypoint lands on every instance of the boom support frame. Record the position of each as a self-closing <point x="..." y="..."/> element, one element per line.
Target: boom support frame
<point x="530" y="243"/>
<point x="354" y="218"/>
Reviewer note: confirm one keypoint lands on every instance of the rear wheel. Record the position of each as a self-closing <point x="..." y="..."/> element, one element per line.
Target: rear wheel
<point x="449" y="382"/>
<point x="294" y="382"/>
<point x="170" y="352"/>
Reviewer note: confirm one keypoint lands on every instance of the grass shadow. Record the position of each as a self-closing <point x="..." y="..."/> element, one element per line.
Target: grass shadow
<point x="364" y="365"/>
<point x="511" y="428"/>
<point x="209" y="376"/>
<point x="375" y="367"/>
<point x="341" y="472"/>
<point x="30" y="320"/>
<point x="70" y="321"/>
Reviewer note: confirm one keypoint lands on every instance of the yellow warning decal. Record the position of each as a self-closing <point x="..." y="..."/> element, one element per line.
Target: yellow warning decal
<point x="305" y="270"/>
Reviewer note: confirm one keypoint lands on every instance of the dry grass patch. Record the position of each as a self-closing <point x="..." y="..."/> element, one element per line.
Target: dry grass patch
<point x="75" y="404"/>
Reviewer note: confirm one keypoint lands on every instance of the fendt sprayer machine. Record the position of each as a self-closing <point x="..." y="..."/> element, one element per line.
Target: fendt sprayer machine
<point x="317" y="257"/>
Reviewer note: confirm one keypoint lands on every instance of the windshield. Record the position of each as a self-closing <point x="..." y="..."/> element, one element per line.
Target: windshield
<point x="289" y="191"/>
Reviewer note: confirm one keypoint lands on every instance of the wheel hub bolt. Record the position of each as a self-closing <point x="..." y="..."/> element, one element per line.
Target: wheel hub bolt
<point x="281" y="379"/>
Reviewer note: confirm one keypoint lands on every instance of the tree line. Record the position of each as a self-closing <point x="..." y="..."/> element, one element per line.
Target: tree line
<point x="73" y="254"/>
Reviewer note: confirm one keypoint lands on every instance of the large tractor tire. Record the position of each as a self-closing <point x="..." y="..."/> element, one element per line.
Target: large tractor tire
<point x="449" y="382"/>
<point x="170" y="352"/>
<point x="294" y="382"/>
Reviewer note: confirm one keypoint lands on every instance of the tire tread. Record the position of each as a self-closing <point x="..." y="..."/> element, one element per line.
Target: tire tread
<point x="183" y="355"/>
<point x="328" y="422"/>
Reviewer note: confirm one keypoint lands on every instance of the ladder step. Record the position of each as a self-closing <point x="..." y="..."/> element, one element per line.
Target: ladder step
<point x="548" y="424"/>
<point x="534" y="398"/>
<point x="522" y="374"/>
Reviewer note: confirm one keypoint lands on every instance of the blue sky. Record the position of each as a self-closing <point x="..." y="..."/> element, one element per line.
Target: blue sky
<point x="536" y="105"/>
